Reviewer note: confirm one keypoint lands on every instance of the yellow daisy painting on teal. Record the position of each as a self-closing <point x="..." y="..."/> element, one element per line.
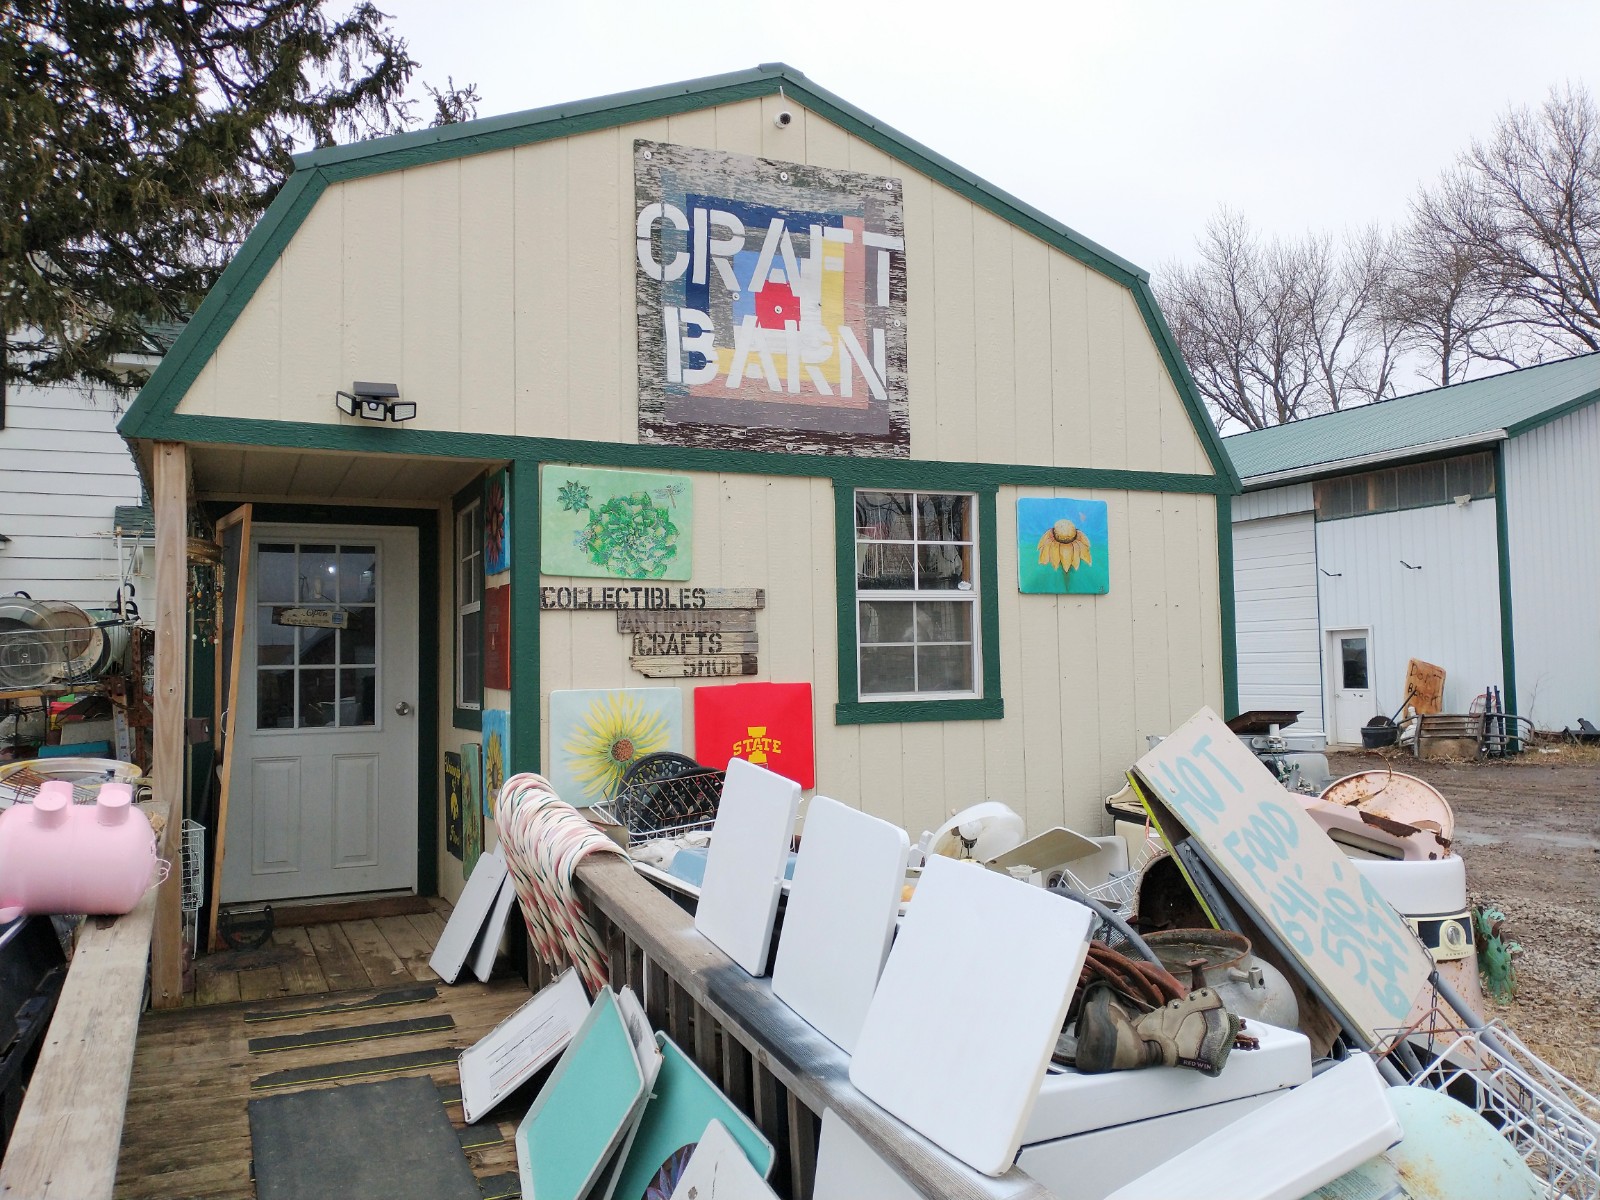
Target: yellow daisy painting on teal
<point x="597" y="735"/>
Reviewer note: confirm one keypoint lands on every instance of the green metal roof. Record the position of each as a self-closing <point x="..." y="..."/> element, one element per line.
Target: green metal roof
<point x="1509" y="403"/>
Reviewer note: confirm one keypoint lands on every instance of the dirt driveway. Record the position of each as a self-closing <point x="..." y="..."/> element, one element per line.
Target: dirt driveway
<point x="1529" y="829"/>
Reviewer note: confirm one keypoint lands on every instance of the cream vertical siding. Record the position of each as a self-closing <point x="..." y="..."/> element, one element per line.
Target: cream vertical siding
<point x="1552" y="495"/>
<point x="498" y="291"/>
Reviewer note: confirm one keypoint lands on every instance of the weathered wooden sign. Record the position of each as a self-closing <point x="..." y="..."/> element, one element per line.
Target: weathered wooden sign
<point x="702" y="642"/>
<point x="312" y="618"/>
<point x="639" y="597"/>
<point x="1258" y="835"/>
<point x="698" y="666"/>
<point x="711" y="620"/>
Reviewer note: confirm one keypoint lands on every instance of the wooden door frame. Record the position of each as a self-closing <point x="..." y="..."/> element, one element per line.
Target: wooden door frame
<point x="426" y="522"/>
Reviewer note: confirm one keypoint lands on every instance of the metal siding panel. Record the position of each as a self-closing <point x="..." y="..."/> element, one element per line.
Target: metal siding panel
<point x="1273" y="502"/>
<point x="1552" y="494"/>
<point x="1275" y="589"/>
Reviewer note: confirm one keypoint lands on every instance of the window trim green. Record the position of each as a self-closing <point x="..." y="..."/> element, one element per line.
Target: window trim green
<point x="462" y="718"/>
<point x="850" y="708"/>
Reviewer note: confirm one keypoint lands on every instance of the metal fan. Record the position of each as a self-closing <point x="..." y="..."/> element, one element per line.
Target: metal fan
<point x="31" y="653"/>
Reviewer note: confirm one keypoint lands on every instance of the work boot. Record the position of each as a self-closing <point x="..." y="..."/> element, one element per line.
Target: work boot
<point x="1195" y="1032"/>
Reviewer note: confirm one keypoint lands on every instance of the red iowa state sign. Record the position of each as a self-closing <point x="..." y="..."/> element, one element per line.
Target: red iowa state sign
<point x="768" y="724"/>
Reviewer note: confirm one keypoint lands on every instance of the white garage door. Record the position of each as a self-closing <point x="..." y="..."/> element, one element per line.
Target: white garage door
<point x="1275" y="599"/>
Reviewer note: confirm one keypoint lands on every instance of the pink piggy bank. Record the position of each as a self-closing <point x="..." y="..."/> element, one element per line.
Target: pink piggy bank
<point x="61" y="857"/>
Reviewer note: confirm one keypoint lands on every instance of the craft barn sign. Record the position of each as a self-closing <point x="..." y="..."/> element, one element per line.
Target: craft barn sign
<point x="771" y="302"/>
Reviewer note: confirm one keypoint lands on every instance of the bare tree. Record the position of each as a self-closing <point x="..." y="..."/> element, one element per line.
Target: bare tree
<point x="1523" y="207"/>
<point x="1454" y="310"/>
<point x="1280" y="330"/>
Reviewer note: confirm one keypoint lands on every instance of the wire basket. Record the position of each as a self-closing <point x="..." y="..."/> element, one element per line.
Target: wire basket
<point x="194" y="878"/>
<point x="664" y="795"/>
<point x="1551" y="1122"/>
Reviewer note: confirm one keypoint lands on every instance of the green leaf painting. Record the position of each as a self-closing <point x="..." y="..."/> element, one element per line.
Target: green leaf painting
<point x="615" y="524"/>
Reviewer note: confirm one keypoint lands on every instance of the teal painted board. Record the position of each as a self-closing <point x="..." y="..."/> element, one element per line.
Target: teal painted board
<point x="584" y="1110"/>
<point x="1061" y="546"/>
<point x="684" y="1104"/>
<point x="615" y="524"/>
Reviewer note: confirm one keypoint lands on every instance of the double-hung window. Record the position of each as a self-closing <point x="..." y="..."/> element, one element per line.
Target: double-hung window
<point x="469" y="608"/>
<point x="916" y="590"/>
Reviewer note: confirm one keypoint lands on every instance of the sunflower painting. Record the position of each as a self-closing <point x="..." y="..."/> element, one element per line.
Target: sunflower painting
<point x="1061" y="546"/>
<point x="597" y="735"/>
<point x="615" y="524"/>
<point x="496" y="756"/>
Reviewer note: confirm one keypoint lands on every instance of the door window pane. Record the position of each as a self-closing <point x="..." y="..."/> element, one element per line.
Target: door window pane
<point x="274" y="642"/>
<point x="275" y="699"/>
<point x="319" y="574"/>
<point x="358" y="640"/>
<point x="316" y="699"/>
<point x="358" y="574"/>
<point x="317" y="644"/>
<point x="1353" y="657"/>
<point x="358" y="698"/>
<point x="275" y="574"/>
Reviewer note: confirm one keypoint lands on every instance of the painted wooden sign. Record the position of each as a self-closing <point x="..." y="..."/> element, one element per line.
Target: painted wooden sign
<point x="771" y="301"/>
<point x="1424" y="686"/>
<point x="711" y="620"/>
<point x="471" y="805"/>
<point x="615" y="524"/>
<point x="768" y="724"/>
<point x="497" y="523"/>
<point x="312" y="618"/>
<point x="1062" y="546"/>
<point x="648" y="599"/>
<point x="496" y="757"/>
<point x="596" y="735"/>
<point x="497" y="637"/>
<point x="699" y="666"/>
<point x="703" y="642"/>
<point x="455" y="825"/>
<point x="1333" y="920"/>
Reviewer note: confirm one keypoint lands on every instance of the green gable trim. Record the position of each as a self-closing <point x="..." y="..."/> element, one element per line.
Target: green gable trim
<point x="851" y="709"/>
<point x="1230" y="628"/>
<point x="200" y="338"/>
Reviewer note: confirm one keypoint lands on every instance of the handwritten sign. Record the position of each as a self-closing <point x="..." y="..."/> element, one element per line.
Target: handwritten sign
<point x="1299" y="883"/>
<point x="648" y="644"/>
<point x="649" y="598"/>
<point x="698" y="666"/>
<point x="710" y="620"/>
<point x="312" y="618"/>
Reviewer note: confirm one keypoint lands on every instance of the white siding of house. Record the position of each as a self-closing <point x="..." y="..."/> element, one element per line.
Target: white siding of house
<point x="1273" y="502"/>
<point x="1275" y="598"/>
<point x="1447" y="613"/>
<point x="63" y="471"/>
<point x="1552" y="496"/>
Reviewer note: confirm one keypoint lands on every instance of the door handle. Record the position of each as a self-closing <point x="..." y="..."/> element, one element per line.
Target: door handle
<point x="403" y="709"/>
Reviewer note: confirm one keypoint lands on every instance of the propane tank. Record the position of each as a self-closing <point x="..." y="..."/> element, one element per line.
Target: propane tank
<point x="61" y="857"/>
<point x="1249" y="987"/>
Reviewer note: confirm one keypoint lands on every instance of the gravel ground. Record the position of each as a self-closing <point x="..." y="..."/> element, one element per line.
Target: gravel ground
<point x="1529" y="830"/>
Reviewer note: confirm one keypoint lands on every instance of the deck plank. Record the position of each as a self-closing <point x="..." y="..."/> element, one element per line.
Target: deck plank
<point x="262" y="983"/>
<point x="303" y="976"/>
<point x="410" y="944"/>
<point x="341" y="965"/>
<point x="215" y="987"/>
<point x="382" y="962"/>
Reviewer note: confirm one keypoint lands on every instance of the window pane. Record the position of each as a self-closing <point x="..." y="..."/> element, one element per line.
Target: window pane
<point x="358" y="574"/>
<point x="274" y="699"/>
<point x="944" y="621"/>
<point x="944" y="568"/>
<point x="274" y="643"/>
<point x="319" y="574"/>
<point x="886" y="621"/>
<point x="316" y="645"/>
<point x="944" y="518"/>
<point x="317" y="704"/>
<point x="887" y="669"/>
<point x="944" y="668"/>
<point x="885" y="567"/>
<point x="1353" y="654"/>
<point x="883" y="515"/>
<point x="358" y="697"/>
<point x="470" y="676"/>
<point x="275" y="574"/>
<point x="358" y="639"/>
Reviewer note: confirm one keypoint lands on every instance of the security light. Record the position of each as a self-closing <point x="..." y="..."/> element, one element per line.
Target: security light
<point x="375" y="402"/>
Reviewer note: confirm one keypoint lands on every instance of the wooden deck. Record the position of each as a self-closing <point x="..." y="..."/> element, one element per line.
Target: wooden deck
<point x="187" y="1132"/>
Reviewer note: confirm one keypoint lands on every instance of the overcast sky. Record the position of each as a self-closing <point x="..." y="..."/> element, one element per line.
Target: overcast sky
<point x="1130" y="121"/>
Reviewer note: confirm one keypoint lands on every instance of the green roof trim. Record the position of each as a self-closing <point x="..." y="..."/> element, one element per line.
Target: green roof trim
<point x="1479" y="410"/>
<point x="154" y="413"/>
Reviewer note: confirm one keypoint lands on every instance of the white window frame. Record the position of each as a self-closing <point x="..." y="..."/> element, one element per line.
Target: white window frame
<point x="468" y="563"/>
<point x="970" y="595"/>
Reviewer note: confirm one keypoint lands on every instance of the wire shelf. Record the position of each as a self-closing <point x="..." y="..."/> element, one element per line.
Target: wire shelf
<point x="194" y="878"/>
<point x="664" y="796"/>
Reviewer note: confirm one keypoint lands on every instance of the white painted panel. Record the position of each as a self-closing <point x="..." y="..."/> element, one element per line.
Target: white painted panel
<point x="355" y="810"/>
<point x="1447" y="611"/>
<point x="275" y="824"/>
<point x="1275" y="604"/>
<point x="1552" y="496"/>
<point x="1273" y="502"/>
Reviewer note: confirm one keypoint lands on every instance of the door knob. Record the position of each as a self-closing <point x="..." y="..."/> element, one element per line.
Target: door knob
<point x="403" y="709"/>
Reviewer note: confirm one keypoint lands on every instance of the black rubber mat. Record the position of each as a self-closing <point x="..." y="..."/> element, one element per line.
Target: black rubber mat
<point x="484" y="1133"/>
<point x="368" y="1141"/>
<point x="500" y="1187"/>
<point x="450" y="1093"/>
<point x="356" y="1068"/>
<point x="351" y="1033"/>
<point x="389" y="999"/>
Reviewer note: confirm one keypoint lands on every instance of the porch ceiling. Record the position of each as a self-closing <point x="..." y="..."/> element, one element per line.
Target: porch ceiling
<point x="254" y="473"/>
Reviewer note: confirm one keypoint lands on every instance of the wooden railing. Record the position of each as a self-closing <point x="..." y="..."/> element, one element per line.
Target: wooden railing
<point x="773" y="1066"/>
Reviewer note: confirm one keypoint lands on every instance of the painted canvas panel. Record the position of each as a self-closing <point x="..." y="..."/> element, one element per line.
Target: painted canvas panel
<point x="453" y="826"/>
<point x="1062" y="546"/>
<point x="768" y="724"/>
<point x="497" y="637"/>
<point x="496" y="756"/>
<point x="595" y="735"/>
<point x="615" y="524"/>
<point x="497" y="523"/>
<point x="771" y="302"/>
<point x="471" y="806"/>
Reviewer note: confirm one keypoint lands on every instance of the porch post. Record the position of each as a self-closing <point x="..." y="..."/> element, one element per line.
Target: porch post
<point x="170" y="500"/>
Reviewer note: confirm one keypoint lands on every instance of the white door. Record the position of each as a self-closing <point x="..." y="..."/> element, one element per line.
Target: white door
<point x="324" y="790"/>
<point x="1354" y="702"/>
